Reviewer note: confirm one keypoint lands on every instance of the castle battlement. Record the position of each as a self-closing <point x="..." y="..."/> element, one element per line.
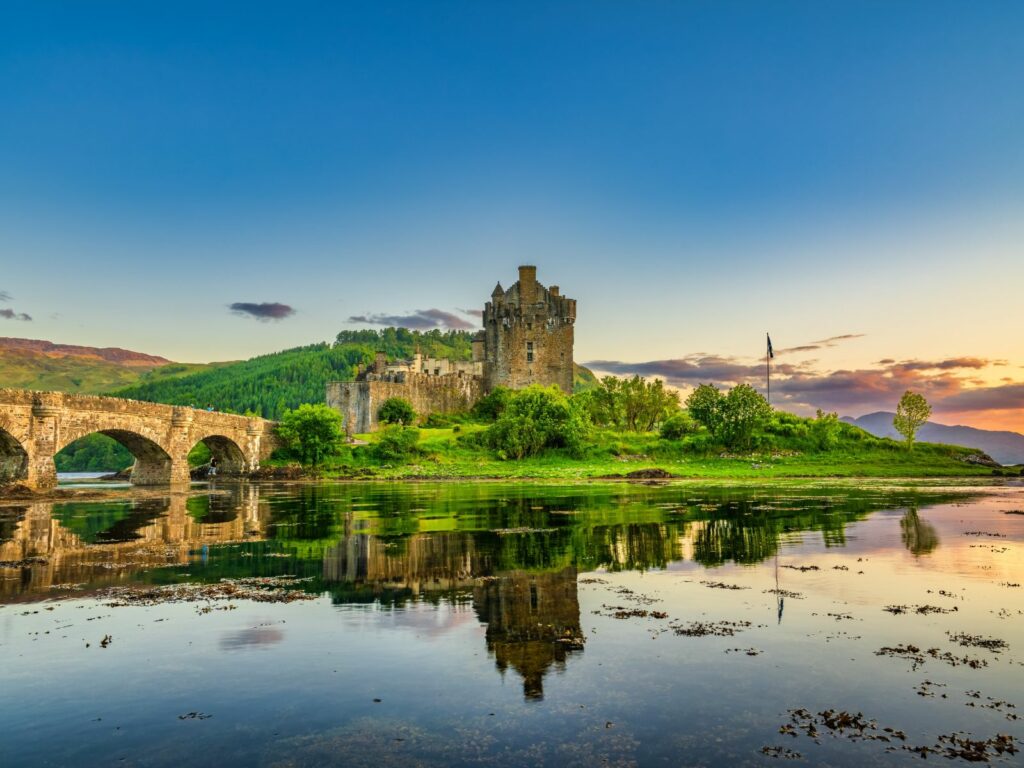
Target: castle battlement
<point x="527" y="339"/>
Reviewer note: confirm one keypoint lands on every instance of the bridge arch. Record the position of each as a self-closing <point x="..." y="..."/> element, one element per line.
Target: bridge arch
<point x="229" y="457"/>
<point x="153" y="463"/>
<point x="13" y="458"/>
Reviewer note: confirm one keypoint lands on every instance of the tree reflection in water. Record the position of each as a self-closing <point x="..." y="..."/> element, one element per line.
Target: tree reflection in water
<point x="512" y="551"/>
<point x="919" y="536"/>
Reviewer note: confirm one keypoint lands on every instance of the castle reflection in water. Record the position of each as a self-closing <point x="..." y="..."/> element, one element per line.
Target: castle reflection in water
<point x="513" y="552"/>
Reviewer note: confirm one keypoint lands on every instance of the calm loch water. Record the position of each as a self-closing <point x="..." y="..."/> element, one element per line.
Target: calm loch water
<point x="515" y="624"/>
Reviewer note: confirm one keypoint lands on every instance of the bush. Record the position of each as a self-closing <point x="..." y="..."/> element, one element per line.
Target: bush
<point x="492" y="405"/>
<point x="311" y="433"/>
<point x="396" y="443"/>
<point x="825" y="430"/>
<point x="628" y="405"/>
<point x="700" y="443"/>
<point x="536" y="418"/>
<point x="677" y="426"/>
<point x="396" y="410"/>
<point x="730" y="418"/>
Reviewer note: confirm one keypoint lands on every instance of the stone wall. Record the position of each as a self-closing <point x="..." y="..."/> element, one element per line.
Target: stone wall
<point x="35" y="426"/>
<point x="358" y="401"/>
<point x="529" y="335"/>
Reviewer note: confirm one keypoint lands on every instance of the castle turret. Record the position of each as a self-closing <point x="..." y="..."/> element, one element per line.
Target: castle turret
<point x="528" y="335"/>
<point x="528" y="284"/>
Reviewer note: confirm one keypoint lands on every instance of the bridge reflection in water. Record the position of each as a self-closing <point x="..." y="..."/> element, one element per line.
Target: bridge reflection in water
<point x="512" y="552"/>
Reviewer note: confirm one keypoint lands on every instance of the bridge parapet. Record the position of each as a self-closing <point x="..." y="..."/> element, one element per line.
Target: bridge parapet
<point x="35" y="426"/>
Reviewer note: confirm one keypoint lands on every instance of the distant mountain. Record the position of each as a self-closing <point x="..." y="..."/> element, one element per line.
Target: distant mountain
<point x="1004" y="447"/>
<point x="39" y="364"/>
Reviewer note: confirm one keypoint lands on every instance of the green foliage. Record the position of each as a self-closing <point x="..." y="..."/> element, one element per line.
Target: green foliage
<point x="745" y="410"/>
<point x="537" y="418"/>
<point x="911" y="413"/>
<point x="94" y="453"/>
<point x="396" y="410"/>
<point x="311" y="433"/>
<point x="583" y="379"/>
<point x="825" y="430"/>
<point x="705" y="405"/>
<point x="677" y="426"/>
<point x="199" y="455"/>
<point x="402" y="343"/>
<point x="396" y="443"/>
<point x="634" y="405"/>
<point x="492" y="405"/>
<point x="731" y="418"/>
<point x="269" y="385"/>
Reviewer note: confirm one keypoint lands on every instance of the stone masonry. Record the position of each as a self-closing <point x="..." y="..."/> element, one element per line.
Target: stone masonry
<point x="527" y="339"/>
<point x="35" y="426"/>
<point x="528" y="335"/>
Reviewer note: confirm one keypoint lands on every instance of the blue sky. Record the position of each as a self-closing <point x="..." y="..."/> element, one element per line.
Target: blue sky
<point x="693" y="173"/>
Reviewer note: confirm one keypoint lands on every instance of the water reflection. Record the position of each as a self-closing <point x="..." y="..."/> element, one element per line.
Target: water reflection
<point x="919" y="536"/>
<point x="511" y="552"/>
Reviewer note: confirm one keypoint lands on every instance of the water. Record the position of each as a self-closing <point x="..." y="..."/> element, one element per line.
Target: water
<point x="475" y="624"/>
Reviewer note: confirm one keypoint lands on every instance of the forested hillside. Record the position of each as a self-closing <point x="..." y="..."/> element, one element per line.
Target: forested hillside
<point x="270" y="384"/>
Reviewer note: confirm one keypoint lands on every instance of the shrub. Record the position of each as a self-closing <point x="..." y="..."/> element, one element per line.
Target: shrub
<point x="311" y="433"/>
<point x="631" y="405"/>
<point x="730" y="418"/>
<point x="825" y="430"/>
<point x="745" y="409"/>
<point x="677" y="426"/>
<point x="492" y="405"/>
<point x="536" y="418"/>
<point x="396" y="410"/>
<point x="396" y="443"/>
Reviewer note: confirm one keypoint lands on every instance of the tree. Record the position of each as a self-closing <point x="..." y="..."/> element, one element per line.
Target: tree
<point x="743" y="410"/>
<point x="311" y="433"/>
<point x="705" y="405"/>
<point x="536" y="418"/>
<point x="635" y="404"/>
<point x="912" y="412"/>
<point x="396" y="410"/>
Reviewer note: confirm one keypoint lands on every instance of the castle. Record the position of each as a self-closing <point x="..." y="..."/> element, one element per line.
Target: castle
<point x="527" y="339"/>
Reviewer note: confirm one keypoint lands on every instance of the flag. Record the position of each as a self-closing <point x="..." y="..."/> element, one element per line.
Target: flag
<point x="771" y="352"/>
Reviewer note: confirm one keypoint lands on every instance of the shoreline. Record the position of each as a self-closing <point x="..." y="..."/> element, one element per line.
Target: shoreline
<point x="122" y="492"/>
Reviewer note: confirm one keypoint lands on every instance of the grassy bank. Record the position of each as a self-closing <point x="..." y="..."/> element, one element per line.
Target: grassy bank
<point x="458" y="452"/>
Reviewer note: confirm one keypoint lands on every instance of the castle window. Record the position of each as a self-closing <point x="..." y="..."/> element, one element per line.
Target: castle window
<point x="529" y="351"/>
<point x="529" y="326"/>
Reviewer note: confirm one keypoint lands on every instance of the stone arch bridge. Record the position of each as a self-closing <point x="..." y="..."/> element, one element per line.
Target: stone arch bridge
<point x="35" y="426"/>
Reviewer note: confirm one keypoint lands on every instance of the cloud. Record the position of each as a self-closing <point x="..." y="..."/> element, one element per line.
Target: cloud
<point x="5" y="296"/>
<point x="420" y="320"/>
<point x="479" y="313"/>
<point x="831" y="341"/>
<point x="10" y="314"/>
<point x="998" y="398"/>
<point x="947" y="383"/>
<point x="264" y="312"/>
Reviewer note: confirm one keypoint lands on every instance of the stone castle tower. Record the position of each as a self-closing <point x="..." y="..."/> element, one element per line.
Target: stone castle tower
<point x="528" y="336"/>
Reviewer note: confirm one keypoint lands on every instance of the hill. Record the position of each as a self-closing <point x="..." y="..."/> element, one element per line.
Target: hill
<point x="270" y="384"/>
<point x="1003" y="446"/>
<point x="43" y="365"/>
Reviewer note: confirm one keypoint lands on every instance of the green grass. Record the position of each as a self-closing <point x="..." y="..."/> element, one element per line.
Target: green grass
<point x="450" y="454"/>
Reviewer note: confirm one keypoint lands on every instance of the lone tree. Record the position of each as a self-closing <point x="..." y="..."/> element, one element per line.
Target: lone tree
<point x="311" y="433"/>
<point x="912" y="411"/>
<point x="396" y="410"/>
